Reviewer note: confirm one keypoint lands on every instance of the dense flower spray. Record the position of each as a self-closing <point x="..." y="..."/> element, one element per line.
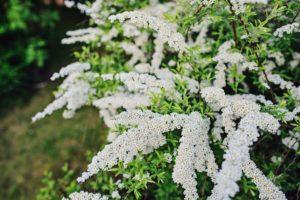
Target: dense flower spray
<point x="216" y="87"/>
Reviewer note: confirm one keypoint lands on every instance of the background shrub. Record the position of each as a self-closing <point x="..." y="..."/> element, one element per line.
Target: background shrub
<point x="24" y="31"/>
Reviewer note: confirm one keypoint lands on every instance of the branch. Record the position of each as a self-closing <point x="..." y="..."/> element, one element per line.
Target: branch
<point x="254" y="46"/>
<point x="233" y="26"/>
<point x="295" y="17"/>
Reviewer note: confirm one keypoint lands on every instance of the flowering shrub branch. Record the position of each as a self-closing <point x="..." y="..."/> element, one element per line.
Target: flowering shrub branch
<point x="181" y="87"/>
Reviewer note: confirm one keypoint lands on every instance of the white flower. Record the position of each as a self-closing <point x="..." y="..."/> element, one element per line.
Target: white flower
<point x="279" y="57"/>
<point x="276" y="159"/>
<point x="290" y="116"/>
<point x="74" y="93"/>
<point x="296" y="60"/>
<point x="137" y="54"/>
<point x="82" y="35"/>
<point x="167" y="32"/>
<point x="108" y="105"/>
<point x="267" y="190"/>
<point x="202" y="2"/>
<point x="277" y="80"/>
<point x="226" y="59"/>
<point x="168" y="157"/>
<point x="239" y="5"/>
<point x="292" y="141"/>
<point x="69" y="4"/>
<point x="238" y="153"/>
<point x="215" y="97"/>
<point x="115" y="195"/>
<point x="158" y="52"/>
<point x="71" y="68"/>
<point x="287" y="29"/>
<point x="194" y="154"/>
<point x="145" y="138"/>
<point x="86" y="196"/>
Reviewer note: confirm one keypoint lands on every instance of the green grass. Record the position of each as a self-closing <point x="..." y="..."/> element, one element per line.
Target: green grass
<point x="27" y="150"/>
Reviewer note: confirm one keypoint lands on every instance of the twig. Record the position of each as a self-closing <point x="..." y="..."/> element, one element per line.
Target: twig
<point x="199" y="9"/>
<point x="293" y="161"/>
<point x="254" y="46"/>
<point x="295" y="17"/>
<point x="286" y="153"/>
<point x="233" y="25"/>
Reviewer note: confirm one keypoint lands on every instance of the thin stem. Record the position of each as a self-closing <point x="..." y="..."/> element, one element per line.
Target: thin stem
<point x="295" y="17"/>
<point x="233" y="26"/>
<point x="293" y="162"/>
<point x="254" y="47"/>
<point x="199" y="9"/>
<point x="286" y="153"/>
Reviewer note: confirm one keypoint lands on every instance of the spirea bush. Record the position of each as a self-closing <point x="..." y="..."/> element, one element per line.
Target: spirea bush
<point x="201" y="98"/>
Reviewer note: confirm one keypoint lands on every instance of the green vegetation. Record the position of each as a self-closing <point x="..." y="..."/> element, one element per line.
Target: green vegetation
<point x="27" y="150"/>
<point x="24" y="30"/>
<point x="43" y="160"/>
<point x="229" y="41"/>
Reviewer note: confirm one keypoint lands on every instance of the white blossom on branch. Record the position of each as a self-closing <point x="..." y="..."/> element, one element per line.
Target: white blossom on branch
<point x="86" y="196"/>
<point x="166" y="31"/>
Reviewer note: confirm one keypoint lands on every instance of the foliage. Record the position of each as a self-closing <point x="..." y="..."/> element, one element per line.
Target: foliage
<point x="24" y="27"/>
<point x="169" y="64"/>
<point x="27" y="149"/>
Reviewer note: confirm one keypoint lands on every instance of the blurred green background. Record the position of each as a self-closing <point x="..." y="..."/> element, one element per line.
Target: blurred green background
<point x="30" y="51"/>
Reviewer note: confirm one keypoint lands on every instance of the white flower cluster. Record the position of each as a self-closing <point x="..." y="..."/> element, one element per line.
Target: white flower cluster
<point x="238" y="140"/>
<point x="278" y="80"/>
<point x="158" y="52"/>
<point x="147" y="84"/>
<point x="287" y="29"/>
<point x="267" y="190"/>
<point x="86" y="196"/>
<point x="296" y="60"/>
<point x="71" y="68"/>
<point x="226" y="59"/>
<point x="115" y="195"/>
<point x="145" y="138"/>
<point x="158" y="9"/>
<point x="296" y="93"/>
<point x="108" y="105"/>
<point x="238" y="118"/>
<point x="217" y="129"/>
<point x="134" y="50"/>
<point x="290" y="116"/>
<point x="92" y="10"/>
<point x="202" y="2"/>
<point x="215" y="97"/>
<point x="82" y="35"/>
<point x="74" y="93"/>
<point x="166" y="31"/>
<point x="292" y="141"/>
<point x="194" y="153"/>
<point x="143" y="83"/>
<point x="238" y="153"/>
<point x="201" y="40"/>
<point x="135" y="117"/>
<point x="278" y="56"/>
<point x="69" y="3"/>
<point x="283" y="84"/>
<point x="232" y="108"/>
<point x="239" y="6"/>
